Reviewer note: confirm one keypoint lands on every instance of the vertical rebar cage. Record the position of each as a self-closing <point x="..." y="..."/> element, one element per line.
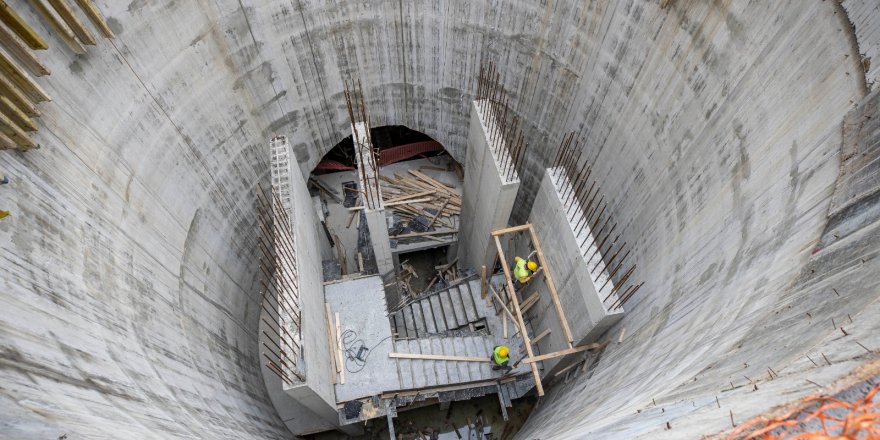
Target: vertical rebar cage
<point x="279" y="278"/>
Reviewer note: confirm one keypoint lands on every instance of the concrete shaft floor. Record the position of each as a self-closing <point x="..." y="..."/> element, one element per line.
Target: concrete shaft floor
<point x="129" y="271"/>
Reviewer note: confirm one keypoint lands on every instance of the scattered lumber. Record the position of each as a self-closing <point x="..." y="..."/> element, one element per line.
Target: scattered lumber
<point x="415" y="196"/>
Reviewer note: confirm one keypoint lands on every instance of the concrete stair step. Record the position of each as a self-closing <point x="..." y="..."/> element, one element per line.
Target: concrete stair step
<point x="458" y="307"/>
<point x="428" y="313"/>
<point x="470" y="306"/>
<point x="439" y="316"/>
<point x="419" y="318"/>
<point x="448" y="310"/>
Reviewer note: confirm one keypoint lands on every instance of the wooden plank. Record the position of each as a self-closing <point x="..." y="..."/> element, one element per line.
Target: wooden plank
<point x="22" y="101"/>
<point x="565" y="370"/>
<point x="484" y="291"/>
<point x="339" y="362"/>
<point x="504" y="324"/>
<point x="552" y="286"/>
<point x="530" y="301"/>
<point x="20" y="51"/>
<point x="522" y="325"/>
<point x="58" y="25"/>
<point x="439" y="357"/>
<point x="95" y="16"/>
<point x="541" y="335"/>
<point x="66" y="12"/>
<point x="503" y="231"/>
<point x="556" y="354"/>
<point x="358" y="208"/>
<point x="422" y="234"/>
<point x="409" y="196"/>
<point x="18" y="76"/>
<point x="25" y="32"/>
<point x="15" y="133"/>
<point x="16" y="115"/>
<point x="503" y="306"/>
<point x="6" y="143"/>
<point x="332" y="341"/>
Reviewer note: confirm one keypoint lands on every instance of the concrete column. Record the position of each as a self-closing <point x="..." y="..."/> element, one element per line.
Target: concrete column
<point x="564" y="249"/>
<point x="374" y="212"/>
<point x="488" y="194"/>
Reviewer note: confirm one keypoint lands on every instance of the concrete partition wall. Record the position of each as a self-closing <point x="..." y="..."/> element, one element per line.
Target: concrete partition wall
<point x="377" y="222"/>
<point x="488" y="194"/>
<point x="578" y="289"/>
<point x="315" y="397"/>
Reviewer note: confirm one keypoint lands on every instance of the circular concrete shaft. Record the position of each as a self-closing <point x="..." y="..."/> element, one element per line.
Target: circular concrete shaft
<point x="128" y="290"/>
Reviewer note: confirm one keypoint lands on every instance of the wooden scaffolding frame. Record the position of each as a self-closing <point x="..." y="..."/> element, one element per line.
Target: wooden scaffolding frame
<point x="531" y="359"/>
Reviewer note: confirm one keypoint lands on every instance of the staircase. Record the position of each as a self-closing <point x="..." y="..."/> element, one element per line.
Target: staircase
<point x="457" y="322"/>
<point x="456" y="310"/>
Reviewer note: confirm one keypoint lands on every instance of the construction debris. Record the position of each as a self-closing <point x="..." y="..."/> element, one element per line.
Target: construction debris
<point x="423" y="206"/>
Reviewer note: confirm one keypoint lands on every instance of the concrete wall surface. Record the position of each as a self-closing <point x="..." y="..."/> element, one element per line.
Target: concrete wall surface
<point x="587" y="316"/>
<point x="128" y="269"/>
<point x="487" y="195"/>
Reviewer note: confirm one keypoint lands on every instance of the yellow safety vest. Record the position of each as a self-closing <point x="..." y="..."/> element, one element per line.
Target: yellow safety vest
<point x="520" y="271"/>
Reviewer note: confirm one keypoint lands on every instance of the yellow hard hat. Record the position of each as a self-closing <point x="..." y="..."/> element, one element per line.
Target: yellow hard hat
<point x="532" y="265"/>
<point x="503" y="351"/>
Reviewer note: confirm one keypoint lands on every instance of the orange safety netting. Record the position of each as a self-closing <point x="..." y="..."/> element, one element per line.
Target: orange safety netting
<point x="838" y="419"/>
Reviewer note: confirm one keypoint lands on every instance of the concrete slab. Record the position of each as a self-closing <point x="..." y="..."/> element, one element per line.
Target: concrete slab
<point x="361" y="307"/>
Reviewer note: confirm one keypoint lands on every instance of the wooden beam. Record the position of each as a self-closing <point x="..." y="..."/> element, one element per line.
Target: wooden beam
<point x="18" y="76"/>
<point x="484" y="291"/>
<point x="6" y="143"/>
<point x="522" y="325"/>
<point x="403" y="202"/>
<point x="15" y="95"/>
<point x="438" y="357"/>
<point x="410" y="196"/>
<point x="422" y="234"/>
<point x="565" y="370"/>
<point x="553" y="294"/>
<point x="16" y="115"/>
<point x="95" y="16"/>
<point x="333" y="371"/>
<point x="530" y="301"/>
<point x="340" y="363"/>
<point x="25" y="32"/>
<point x="503" y="306"/>
<point x="58" y="24"/>
<point x="556" y="354"/>
<point x="20" y="51"/>
<point x="540" y="336"/>
<point x="503" y="231"/>
<point x="66" y="13"/>
<point x="15" y="133"/>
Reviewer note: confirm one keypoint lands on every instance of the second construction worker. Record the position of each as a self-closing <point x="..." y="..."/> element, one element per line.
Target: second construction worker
<point x="500" y="358"/>
<point x="523" y="270"/>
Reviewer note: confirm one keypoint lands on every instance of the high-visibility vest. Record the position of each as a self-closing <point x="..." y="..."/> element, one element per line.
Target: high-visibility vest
<point x="520" y="271"/>
<point x="500" y="360"/>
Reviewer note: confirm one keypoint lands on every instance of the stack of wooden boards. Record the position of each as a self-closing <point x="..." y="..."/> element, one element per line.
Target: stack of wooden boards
<point x="19" y="93"/>
<point x="419" y="195"/>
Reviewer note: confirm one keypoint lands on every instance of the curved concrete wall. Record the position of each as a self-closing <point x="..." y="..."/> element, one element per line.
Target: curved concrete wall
<point x="129" y="297"/>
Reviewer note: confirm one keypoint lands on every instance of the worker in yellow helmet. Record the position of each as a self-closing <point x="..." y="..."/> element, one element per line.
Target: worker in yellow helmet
<point x="500" y="359"/>
<point x="524" y="270"/>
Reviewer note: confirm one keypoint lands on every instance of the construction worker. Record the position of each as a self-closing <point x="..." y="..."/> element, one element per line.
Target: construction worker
<point x="500" y="359"/>
<point x="523" y="270"/>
